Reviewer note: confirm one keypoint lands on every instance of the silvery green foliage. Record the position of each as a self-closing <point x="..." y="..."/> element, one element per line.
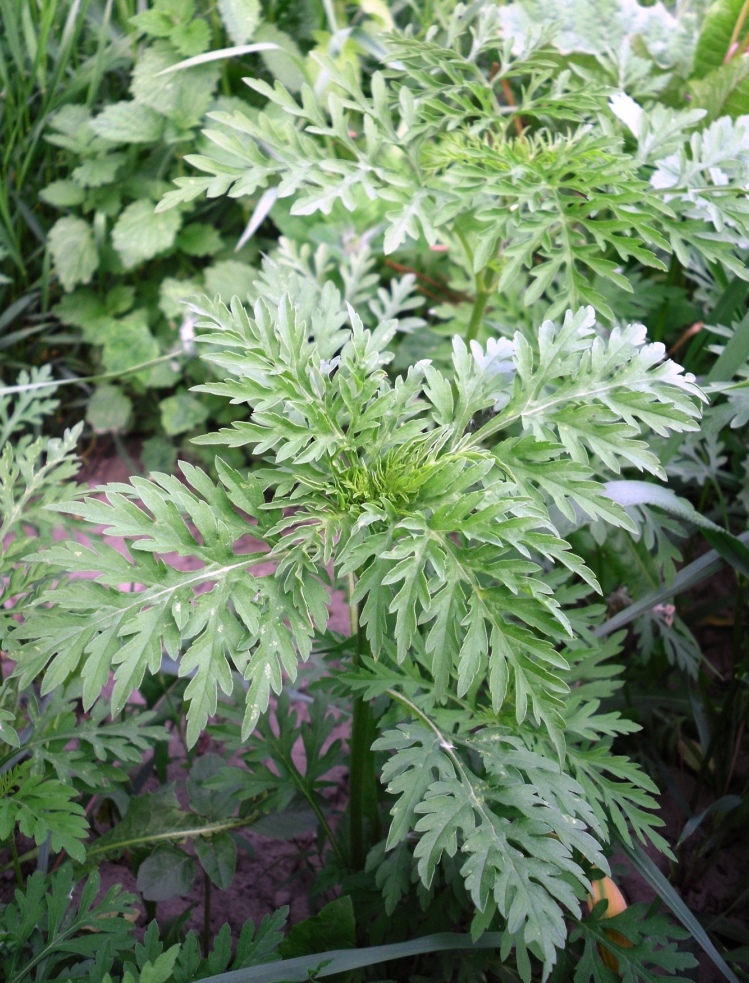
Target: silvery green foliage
<point x="607" y="28"/>
<point x="466" y="590"/>
<point x="33" y="473"/>
<point x="707" y="175"/>
<point x="39" y="782"/>
<point x="432" y="144"/>
<point x="702" y="457"/>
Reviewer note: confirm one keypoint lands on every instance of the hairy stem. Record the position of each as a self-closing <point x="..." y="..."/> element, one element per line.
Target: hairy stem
<point x="362" y="774"/>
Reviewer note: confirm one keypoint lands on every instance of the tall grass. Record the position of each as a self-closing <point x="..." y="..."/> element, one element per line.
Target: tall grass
<point x="52" y="52"/>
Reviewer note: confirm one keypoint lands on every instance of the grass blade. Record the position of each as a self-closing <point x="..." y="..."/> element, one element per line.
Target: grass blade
<point x="734" y="355"/>
<point x="219" y="55"/>
<point x="346" y="960"/>
<point x="691" y="575"/>
<point x="647" y="869"/>
<point x="730" y="547"/>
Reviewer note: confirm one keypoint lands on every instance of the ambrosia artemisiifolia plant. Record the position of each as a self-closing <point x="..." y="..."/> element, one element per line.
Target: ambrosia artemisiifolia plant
<point x="439" y="495"/>
<point x="467" y="598"/>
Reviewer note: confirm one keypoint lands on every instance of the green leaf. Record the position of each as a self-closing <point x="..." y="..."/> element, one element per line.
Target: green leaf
<point x="128" y="122"/>
<point x="183" y="97"/>
<point x="98" y="171"/>
<point x="199" y="239"/>
<point x="127" y="341"/>
<point x="74" y="253"/>
<point x="108" y="410"/>
<point x="266" y="621"/>
<point x="285" y="62"/>
<point x="229" y="278"/>
<point x="333" y="927"/>
<point x="192" y="38"/>
<point x="140" y="234"/>
<point x="204" y="798"/>
<point x="157" y="818"/>
<point x="715" y="35"/>
<point x="240" y="18"/>
<point x="173" y="293"/>
<point x="642" y="942"/>
<point x="218" y="858"/>
<point x="725" y="89"/>
<point x="167" y="873"/>
<point x="155" y="23"/>
<point x="42" y="807"/>
<point x="63" y="194"/>
<point x="181" y="413"/>
<point x="51" y="918"/>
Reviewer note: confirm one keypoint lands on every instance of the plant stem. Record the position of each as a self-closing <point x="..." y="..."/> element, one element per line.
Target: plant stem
<point x="16" y="862"/>
<point x="362" y="777"/>
<point x="479" y="306"/>
<point x="361" y="772"/>
<point x="482" y="293"/>
<point x="206" y="914"/>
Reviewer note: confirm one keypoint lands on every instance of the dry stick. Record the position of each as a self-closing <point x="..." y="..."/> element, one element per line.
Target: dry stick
<point x="517" y="120"/>
<point x="692" y="330"/>
<point x="454" y="296"/>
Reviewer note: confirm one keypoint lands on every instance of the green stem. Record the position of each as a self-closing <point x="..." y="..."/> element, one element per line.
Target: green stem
<point x="16" y="862"/>
<point x="362" y="777"/>
<point x="359" y="776"/>
<point x="477" y="314"/>
<point x="206" y="914"/>
<point x="55" y="383"/>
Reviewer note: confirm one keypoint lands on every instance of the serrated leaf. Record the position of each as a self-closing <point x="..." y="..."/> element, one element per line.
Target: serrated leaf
<point x="43" y="807"/>
<point x="98" y="171"/>
<point x="229" y="278"/>
<point x="240" y="18"/>
<point x="182" y="97"/>
<point x="181" y="413"/>
<point x="74" y="253"/>
<point x="63" y="194"/>
<point x="167" y="873"/>
<point x="199" y="239"/>
<point x="128" y="122"/>
<point x="140" y="234"/>
<point x="155" y="22"/>
<point x="218" y="858"/>
<point x="192" y="38"/>
<point x="54" y="916"/>
<point x="108" y="410"/>
<point x="127" y="341"/>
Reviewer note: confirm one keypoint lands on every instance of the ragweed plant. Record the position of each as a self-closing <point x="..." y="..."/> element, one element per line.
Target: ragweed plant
<point x="466" y="599"/>
<point x="441" y="492"/>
